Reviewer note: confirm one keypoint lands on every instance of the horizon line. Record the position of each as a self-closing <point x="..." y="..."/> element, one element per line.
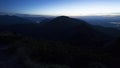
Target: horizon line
<point x="97" y="14"/>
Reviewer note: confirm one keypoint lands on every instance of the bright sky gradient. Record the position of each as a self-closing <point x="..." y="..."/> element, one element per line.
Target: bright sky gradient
<point x="61" y="7"/>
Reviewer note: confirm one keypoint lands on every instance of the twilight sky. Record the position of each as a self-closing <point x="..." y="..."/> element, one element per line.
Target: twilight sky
<point x="61" y="7"/>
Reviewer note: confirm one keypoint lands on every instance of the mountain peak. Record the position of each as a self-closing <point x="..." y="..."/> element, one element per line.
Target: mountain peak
<point x="63" y="18"/>
<point x="66" y="20"/>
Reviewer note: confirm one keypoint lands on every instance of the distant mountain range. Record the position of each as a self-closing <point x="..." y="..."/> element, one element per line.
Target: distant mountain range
<point x="24" y="15"/>
<point x="10" y="20"/>
<point x="106" y="21"/>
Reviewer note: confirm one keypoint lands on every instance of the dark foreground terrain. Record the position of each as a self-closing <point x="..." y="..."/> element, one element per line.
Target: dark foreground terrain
<point x="62" y="42"/>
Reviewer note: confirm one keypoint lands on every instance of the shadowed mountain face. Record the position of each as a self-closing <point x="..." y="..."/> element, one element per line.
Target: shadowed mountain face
<point x="64" y="29"/>
<point x="72" y="30"/>
<point x="115" y="33"/>
<point x="10" y="20"/>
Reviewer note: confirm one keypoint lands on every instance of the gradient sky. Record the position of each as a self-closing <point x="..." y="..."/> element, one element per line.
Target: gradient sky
<point x="61" y="7"/>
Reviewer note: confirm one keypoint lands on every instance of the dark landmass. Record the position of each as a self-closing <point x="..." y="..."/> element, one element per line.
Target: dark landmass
<point x="62" y="42"/>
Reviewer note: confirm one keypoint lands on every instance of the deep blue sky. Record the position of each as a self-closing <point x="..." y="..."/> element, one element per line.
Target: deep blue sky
<point x="61" y="7"/>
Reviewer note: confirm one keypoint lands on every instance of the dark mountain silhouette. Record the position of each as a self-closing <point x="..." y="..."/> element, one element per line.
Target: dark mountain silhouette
<point x="10" y="20"/>
<point x="64" y="29"/>
<point x="72" y="30"/>
<point x="63" y="40"/>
